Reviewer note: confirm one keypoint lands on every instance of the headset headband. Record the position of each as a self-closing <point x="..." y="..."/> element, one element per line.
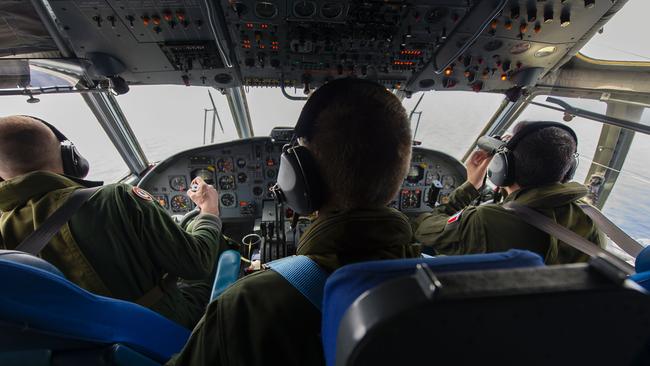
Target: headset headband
<point x="321" y="99"/>
<point x="533" y="127"/>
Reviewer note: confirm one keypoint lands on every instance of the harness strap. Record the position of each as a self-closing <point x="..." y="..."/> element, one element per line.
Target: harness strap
<point x="305" y="275"/>
<point x="41" y="237"/>
<point x="565" y="235"/>
<point x="618" y="236"/>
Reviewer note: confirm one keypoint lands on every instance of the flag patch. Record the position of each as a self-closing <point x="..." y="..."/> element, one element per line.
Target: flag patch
<point x="455" y="218"/>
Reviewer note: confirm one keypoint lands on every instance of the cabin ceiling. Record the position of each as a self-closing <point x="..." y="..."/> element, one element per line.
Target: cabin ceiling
<point x="412" y="46"/>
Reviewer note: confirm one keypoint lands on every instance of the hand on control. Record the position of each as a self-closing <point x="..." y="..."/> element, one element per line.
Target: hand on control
<point x="204" y="196"/>
<point x="477" y="165"/>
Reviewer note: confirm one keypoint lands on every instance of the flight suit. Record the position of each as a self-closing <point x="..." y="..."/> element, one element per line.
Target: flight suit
<point x="120" y="243"/>
<point x="458" y="228"/>
<point x="263" y="320"/>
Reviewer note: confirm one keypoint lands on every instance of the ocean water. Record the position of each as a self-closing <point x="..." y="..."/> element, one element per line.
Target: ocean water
<point x="168" y="119"/>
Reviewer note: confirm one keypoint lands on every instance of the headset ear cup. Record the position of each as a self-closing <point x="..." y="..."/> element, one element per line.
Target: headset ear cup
<point x="501" y="169"/>
<point x="299" y="180"/>
<point x="573" y="167"/>
<point x="74" y="164"/>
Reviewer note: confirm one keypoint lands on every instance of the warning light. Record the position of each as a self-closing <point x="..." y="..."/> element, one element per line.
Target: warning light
<point x="270" y="162"/>
<point x="538" y="28"/>
<point x="494" y="24"/>
<point x="507" y="25"/>
<point x="156" y="20"/>
<point x="167" y="15"/>
<point x="264" y="26"/>
<point x="448" y="71"/>
<point x="410" y="52"/>
<point x="243" y="203"/>
<point x="249" y="25"/>
<point x="145" y="20"/>
<point x="180" y="15"/>
<point x="523" y="28"/>
<point x="504" y="77"/>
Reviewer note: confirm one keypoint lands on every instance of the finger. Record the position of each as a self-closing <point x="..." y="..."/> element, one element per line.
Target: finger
<point x="198" y="180"/>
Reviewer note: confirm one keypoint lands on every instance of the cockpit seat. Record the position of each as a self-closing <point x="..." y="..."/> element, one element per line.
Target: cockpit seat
<point x="642" y="267"/>
<point x="550" y="315"/>
<point x="45" y="316"/>
<point x="346" y="284"/>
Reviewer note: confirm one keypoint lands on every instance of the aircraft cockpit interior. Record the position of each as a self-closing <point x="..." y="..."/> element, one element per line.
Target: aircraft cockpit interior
<point x="466" y="73"/>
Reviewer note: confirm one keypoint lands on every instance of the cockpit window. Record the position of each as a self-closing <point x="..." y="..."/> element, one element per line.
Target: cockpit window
<point x="450" y="119"/>
<point x="269" y="108"/>
<point x="168" y="119"/>
<point x="70" y="114"/>
<point x="628" y="204"/>
<point x="620" y="39"/>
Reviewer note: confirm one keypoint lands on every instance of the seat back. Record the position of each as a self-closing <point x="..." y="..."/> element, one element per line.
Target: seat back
<point x="349" y="282"/>
<point x="227" y="273"/>
<point x="40" y="309"/>
<point x="642" y="267"/>
<point x="556" y="315"/>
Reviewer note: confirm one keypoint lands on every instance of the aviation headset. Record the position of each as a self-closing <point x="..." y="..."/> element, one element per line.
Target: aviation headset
<point x="501" y="170"/>
<point x="299" y="182"/>
<point x="74" y="164"/>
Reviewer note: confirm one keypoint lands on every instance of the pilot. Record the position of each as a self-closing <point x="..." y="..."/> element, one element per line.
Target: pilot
<point x="120" y="243"/>
<point x="543" y="159"/>
<point x="359" y="136"/>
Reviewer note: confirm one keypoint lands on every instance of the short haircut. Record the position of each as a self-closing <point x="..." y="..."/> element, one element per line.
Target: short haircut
<point x="543" y="157"/>
<point x="27" y="145"/>
<point x="362" y="143"/>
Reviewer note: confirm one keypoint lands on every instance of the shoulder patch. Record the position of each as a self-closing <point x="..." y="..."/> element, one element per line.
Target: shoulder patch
<point x="455" y="217"/>
<point x="141" y="193"/>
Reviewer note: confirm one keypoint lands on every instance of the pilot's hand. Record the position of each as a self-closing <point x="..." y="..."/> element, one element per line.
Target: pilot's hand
<point x="205" y="196"/>
<point x="477" y="165"/>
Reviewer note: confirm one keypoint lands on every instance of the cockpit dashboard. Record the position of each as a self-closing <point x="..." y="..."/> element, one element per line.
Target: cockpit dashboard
<point x="244" y="170"/>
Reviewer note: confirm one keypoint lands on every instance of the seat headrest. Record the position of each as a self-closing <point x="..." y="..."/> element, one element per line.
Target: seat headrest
<point x="29" y="260"/>
<point x="642" y="262"/>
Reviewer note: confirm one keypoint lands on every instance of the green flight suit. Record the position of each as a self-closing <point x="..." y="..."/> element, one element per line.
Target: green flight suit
<point x="458" y="228"/>
<point x="119" y="244"/>
<point x="263" y="320"/>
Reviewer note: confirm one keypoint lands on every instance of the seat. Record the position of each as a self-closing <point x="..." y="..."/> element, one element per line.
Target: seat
<point x="227" y="272"/>
<point x="557" y="315"/>
<point x="41" y="311"/>
<point x="346" y="284"/>
<point x="642" y="267"/>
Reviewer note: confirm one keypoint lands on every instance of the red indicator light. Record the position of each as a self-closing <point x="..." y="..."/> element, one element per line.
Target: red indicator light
<point x="249" y="25"/>
<point x="243" y="203"/>
<point x="504" y="77"/>
<point x="448" y="71"/>
<point x="145" y="20"/>
<point x="270" y="162"/>
<point x="156" y="20"/>
<point x="264" y="26"/>
<point x="167" y="16"/>
<point x="180" y="15"/>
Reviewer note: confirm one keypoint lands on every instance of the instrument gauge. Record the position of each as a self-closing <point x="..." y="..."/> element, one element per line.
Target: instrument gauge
<point x="258" y="191"/>
<point x="227" y="200"/>
<point x="331" y="10"/>
<point x="227" y="183"/>
<point x="162" y="200"/>
<point x="266" y="10"/>
<point x="271" y="174"/>
<point x="241" y="163"/>
<point x="242" y="178"/>
<point x="180" y="203"/>
<point x="225" y="165"/>
<point x="204" y="173"/>
<point x="304" y="9"/>
<point x="415" y="174"/>
<point x="448" y="181"/>
<point x="178" y="183"/>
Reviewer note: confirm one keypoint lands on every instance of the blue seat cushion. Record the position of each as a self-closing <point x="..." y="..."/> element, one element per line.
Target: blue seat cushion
<point x="643" y="279"/>
<point x="347" y="283"/>
<point x="30" y="260"/>
<point x="642" y="262"/>
<point x="37" y="299"/>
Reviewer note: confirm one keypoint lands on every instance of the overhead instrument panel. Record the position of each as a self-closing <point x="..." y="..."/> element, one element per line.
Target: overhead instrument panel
<point x="411" y="46"/>
<point x="480" y="45"/>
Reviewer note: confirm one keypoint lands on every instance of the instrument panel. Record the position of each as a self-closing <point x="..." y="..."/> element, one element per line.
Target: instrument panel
<point x="244" y="170"/>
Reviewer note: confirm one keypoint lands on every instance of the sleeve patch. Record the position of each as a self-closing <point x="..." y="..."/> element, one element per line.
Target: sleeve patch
<point x="455" y="217"/>
<point x="141" y="193"/>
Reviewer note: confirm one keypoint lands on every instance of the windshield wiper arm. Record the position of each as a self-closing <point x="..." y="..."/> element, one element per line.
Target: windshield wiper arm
<point x="578" y="112"/>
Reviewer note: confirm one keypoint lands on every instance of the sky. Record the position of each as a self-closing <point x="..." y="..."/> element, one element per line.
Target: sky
<point x="167" y="119"/>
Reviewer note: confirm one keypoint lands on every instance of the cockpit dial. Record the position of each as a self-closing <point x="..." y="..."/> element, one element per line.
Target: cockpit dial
<point x="180" y="203"/>
<point x="448" y="181"/>
<point x="410" y="198"/>
<point x="225" y="165"/>
<point x="241" y="163"/>
<point x="178" y="183"/>
<point x="204" y="173"/>
<point x="415" y="174"/>
<point x="227" y="183"/>
<point x="242" y="177"/>
<point x="227" y="200"/>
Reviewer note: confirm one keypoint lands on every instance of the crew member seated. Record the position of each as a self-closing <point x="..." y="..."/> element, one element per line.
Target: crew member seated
<point x="120" y="243"/>
<point x="358" y="136"/>
<point x="535" y="171"/>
